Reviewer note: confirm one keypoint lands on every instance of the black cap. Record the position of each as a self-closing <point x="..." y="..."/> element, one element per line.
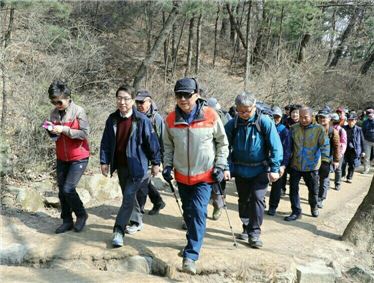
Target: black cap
<point x="324" y="113"/>
<point x="141" y="95"/>
<point x="352" y="116"/>
<point x="188" y="85"/>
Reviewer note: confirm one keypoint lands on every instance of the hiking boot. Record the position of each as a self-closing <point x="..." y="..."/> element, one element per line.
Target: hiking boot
<point x="64" y="227"/>
<point x="216" y="213"/>
<point x="315" y="212"/>
<point x="157" y="207"/>
<point x="243" y="235"/>
<point x="320" y="203"/>
<point x="80" y="223"/>
<point x="366" y="171"/>
<point x="133" y="228"/>
<point x="272" y="211"/>
<point x="117" y="240"/>
<point x="292" y="217"/>
<point x="255" y="242"/>
<point x="337" y="187"/>
<point x="189" y="266"/>
<point x="349" y="180"/>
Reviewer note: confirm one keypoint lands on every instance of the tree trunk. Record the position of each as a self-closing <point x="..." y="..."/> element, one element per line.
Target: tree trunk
<point x="234" y="24"/>
<point x="215" y="51"/>
<point x="5" y="44"/>
<point x="198" y="44"/>
<point x="189" y="50"/>
<point x="360" y="230"/>
<point x="248" y="50"/>
<point x="224" y="27"/>
<point x="148" y="60"/>
<point x="303" y="43"/>
<point x="368" y="62"/>
<point x="332" y="37"/>
<point x="280" y="34"/>
<point x="177" y="48"/>
<point x="258" y="46"/>
<point x="339" y="50"/>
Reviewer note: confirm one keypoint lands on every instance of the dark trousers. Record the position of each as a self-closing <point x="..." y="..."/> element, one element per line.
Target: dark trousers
<point x="311" y="181"/>
<point x="324" y="182"/>
<point x="68" y="175"/>
<point x="349" y="159"/>
<point x="276" y="191"/>
<point x="338" y="173"/>
<point x="218" y="197"/>
<point x="153" y="193"/>
<point x="251" y="201"/>
<point x="195" y="200"/>
<point x="129" y="201"/>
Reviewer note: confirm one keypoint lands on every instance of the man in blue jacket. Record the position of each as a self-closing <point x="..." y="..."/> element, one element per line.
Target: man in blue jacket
<point x="276" y="187"/>
<point x="368" y="131"/>
<point x="256" y="155"/>
<point x="128" y="143"/>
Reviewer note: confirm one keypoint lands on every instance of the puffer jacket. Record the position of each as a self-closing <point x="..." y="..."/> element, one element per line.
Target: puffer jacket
<point x="342" y="140"/>
<point x="72" y="144"/>
<point x="310" y="146"/>
<point x="195" y="149"/>
<point x="368" y="130"/>
<point x="158" y="124"/>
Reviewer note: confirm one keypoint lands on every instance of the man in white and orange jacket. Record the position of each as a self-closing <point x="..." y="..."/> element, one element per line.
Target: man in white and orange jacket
<point x="196" y="146"/>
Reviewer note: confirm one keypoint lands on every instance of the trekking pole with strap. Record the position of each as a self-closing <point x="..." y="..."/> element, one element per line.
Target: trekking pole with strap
<point x="175" y="196"/>
<point x="227" y="214"/>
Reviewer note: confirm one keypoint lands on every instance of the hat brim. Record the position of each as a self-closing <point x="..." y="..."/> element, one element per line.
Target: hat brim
<point x="185" y="91"/>
<point x="141" y="98"/>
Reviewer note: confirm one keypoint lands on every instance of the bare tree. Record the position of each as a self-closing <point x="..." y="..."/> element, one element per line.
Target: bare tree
<point x="189" y="50"/>
<point x="215" y="36"/>
<point x="236" y="25"/>
<point x="177" y="47"/>
<point x="198" y="44"/>
<point x="148" y="60"/>
<point x="301" y="52"/>
<point x="248" y="50"/>
<point x="332" y="37"/>
<point x="367" y="63"/>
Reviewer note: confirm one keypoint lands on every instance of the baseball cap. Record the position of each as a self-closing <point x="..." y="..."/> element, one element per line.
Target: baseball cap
<point x="324" y="113"/>
<point x="212" y="102"/>
<point x="352" y="116"/>
<point x="188" y="85"/>
<point x="277" y="111"/>
<point x="141" y="95"/>
<point x="335" y="117"/>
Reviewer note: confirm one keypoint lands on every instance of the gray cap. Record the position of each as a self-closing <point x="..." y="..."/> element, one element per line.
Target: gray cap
<point x="277" y="111"/>
<point x="212" y="102"/>
<point x="335" y="117"/>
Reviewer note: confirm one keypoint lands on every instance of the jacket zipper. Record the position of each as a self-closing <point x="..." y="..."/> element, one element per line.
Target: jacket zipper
<point x="188" y="152"/>
<point x="302" y="155"/>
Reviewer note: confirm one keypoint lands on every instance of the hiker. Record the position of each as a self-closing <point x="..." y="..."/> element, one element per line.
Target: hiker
<point x="145" y="105"/>
<point x="196" y="147"/>
<point x="68" y="127"/>
<point x="368" y="132"/>
<point x="334" y="140"/>
<point x="127" y="145"/>
<point x="278" y="186"/>
<point x="308" y="155"/>
<point x="256" y="156"/>
<point x="355" y="145"/>
<point x="341" y="111"/>
<point x="294" y="115"/>
<point x="218" y="199"/>
<point x="342" y="148"/>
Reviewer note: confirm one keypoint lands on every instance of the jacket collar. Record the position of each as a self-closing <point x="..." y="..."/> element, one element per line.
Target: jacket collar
<point x="199" y="115"/>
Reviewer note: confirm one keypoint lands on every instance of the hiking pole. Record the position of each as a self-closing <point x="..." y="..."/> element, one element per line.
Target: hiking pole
<point x="175" y="196"/>
<point x="227" y="214"/>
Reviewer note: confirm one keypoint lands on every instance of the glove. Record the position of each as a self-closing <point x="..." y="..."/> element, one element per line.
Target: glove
<point x="218" y="174"/>
<point x="324" y="170"/>
<point x="166" y="173"/>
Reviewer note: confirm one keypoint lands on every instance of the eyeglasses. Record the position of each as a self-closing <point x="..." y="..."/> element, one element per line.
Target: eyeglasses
<point x="57" y="102"/>
<point x="126" y="99"/>
<point x="186" y="95"/>
<point x="245" y="112"/>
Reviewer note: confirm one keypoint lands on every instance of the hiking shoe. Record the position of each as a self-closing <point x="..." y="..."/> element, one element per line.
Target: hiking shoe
<point x="292" y="217"/>
<point x="133" y="228"/>
<point x="255" y="242"/>
<point x="320" y="203"/>
<point x="349" y="180"/>
<point x="243" y="235"/>
<point x="366" y="171"/>
<point x="216" y="213"/>
<point x="337" y="187"/>
<point x="64" y="227"/>
<point x="315" y="212"/>
<point x="271" y="211"/>
<point x="189" y="266"/>
<point x="117" y="240"/>
<point x="157" y="207"/>
<point x="80" y="223"/>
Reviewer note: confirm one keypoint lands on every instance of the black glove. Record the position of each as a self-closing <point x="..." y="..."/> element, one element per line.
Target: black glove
<point x="218" y="174"/>
<point x="324" y="170"/>
<point x="166" y="173"/>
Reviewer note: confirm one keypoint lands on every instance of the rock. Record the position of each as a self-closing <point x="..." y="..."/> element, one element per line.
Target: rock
<point x="131" y="264"/>
<point x="360" y="274"/>
<point x="29" y="199"/>
<point x="12" y="254"/>
<point x="43" y="186"/>
<point x="316" y="272"/>
<point x="7" y="201"/>
<point x="101" y="188"/>
<point x="52" y="201"/>
<point x="84" y="195"/>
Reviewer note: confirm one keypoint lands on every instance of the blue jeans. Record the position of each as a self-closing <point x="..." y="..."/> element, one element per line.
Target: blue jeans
<point x="68" y="175"/>
<point x="251" y="193"/>
<point x="195" y="200"/>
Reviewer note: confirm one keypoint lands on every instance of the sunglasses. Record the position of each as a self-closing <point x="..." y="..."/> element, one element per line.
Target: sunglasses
<point x="185" y="95"/>
<point x="57" y="102"/>
<point x="141" y="102"/>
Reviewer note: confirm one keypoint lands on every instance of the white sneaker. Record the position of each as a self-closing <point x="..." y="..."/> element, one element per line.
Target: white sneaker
<point x="132" y="229"/>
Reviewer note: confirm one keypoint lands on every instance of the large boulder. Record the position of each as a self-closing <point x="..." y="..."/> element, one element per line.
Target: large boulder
<point x="29" y="199"/>
<point x="100" y="188"/>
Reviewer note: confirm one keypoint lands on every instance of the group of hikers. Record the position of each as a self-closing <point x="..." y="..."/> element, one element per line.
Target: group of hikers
<point x="201" y="147"/>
